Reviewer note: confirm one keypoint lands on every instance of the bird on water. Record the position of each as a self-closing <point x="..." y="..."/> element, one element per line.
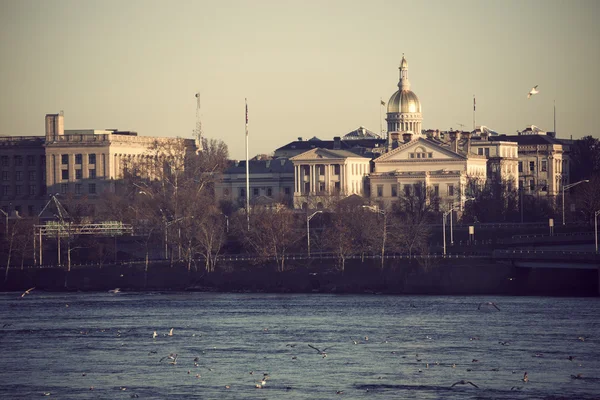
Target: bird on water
<point x="463" y="382"/>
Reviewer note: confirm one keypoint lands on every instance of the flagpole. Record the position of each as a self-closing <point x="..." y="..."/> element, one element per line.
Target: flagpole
<point x="474" y="126"/>
<point x="380" y="123"/>
<point x="247" y="171"/>
<point x="554" y="118"/>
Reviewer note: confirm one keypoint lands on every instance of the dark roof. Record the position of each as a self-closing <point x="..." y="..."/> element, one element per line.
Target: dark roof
<point x="328" y="144"/>
<point x="526" y="139"/>
<point x="278" y="165"/>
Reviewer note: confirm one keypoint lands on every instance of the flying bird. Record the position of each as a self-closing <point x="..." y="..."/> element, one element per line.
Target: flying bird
<point x="489" y="303"/>
<point x="463" y="382"/>
<point x="321" y="352"/>
<point x="27" y="291"/>
<point x="533" y="91"/>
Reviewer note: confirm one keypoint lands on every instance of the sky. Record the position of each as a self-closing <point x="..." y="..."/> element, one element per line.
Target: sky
<point x="307" y="68"/>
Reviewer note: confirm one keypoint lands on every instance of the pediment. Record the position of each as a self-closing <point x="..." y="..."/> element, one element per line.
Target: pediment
<point x="324" y="154"/>
<point x="420" y="150"/>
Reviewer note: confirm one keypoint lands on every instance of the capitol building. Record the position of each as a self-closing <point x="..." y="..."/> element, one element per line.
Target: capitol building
<point x="312" y="173"/>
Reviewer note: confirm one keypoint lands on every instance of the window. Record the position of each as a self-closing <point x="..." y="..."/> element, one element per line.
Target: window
<point x="480" y="151"/>
<point x="379" y="190"/>
<point x="417" y="189"/>
<point x="487" y="151"/>
<point x="31" y="161"/>
<point x="65" y="174"/>
<point x="286" y="190"/>
<point x="78" y="188"/>
<point x="91" y="158"/>
<point x="520" y="166"/>
<point x="450" y="190"/>
<point x="521" y="185"/>
<point x="395" y="190"/>
<point x="407" y="190"/>
<point x="18" y="190"/>
<point x="4" y="175"/>
<point x="544" y="185"/>
<point x="4" y="161"/>
<point x="436" y="190"/>
<point x="531" y="184"/>
<point x="78" y="174"/>
<point x="306" y="187"/>
<point x="242" y="192"/>
<point x="78" y="159"/>
<point x="64" y="188"/>
<point x="65" y="159"/>
<point x="337" y="187"/>
<point x="544" y="165"/>
<point x="269" y="192"/>
<point x="532" y="166"/>
<point x="92" y="188"/>
<point x="18" y="161"/>
<point x="18" y="176"/>
<point x="336" y="169"/>
<point x="321" y="187"/>
<point x="255" y="192"/>
<point x="92" y="174"/>
<point x="5" y="190"/>
<point x="32" y="190"/>
<point x="30" y="211"/>
<point x="321" y="169"/>
<point x="31" y="175"/>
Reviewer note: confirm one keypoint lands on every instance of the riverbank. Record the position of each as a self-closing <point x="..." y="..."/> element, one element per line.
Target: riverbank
<point x="480" y="276"/>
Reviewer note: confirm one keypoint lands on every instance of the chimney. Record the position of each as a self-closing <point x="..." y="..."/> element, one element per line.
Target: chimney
<point x="454" y="142"/>
<point x="406" y="137"/>
<point x="466" y="138"/>
<point x="337" y="143"/>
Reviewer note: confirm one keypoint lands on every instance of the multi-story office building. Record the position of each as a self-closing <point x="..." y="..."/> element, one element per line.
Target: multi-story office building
<point x="68" y="162"/>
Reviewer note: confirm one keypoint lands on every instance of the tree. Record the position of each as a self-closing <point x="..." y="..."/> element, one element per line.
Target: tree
<point x="348" y="231"/>
<point x="496" y="201"/>
<point x="585" y="158"/>
<point x="273" y="232"/>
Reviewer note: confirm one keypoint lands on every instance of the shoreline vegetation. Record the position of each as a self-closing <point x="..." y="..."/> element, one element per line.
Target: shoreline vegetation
<point x="475" y="276"/>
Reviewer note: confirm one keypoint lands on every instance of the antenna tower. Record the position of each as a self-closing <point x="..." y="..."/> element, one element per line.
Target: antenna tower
<point x="198" y="130"/>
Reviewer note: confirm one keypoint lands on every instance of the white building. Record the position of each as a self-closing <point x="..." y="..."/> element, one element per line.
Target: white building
<point x="321" y="175"/>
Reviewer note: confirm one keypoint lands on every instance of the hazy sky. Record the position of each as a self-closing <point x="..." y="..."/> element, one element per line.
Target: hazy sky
<point x="308" y="68"/>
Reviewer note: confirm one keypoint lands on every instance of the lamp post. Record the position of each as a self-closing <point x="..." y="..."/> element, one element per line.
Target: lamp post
<point x="6" y="217"/>
<point x="445" y="214"/>
<point x="565" y="187"/>
<point x="596" y="228"/>
<point x="308" y="218"/>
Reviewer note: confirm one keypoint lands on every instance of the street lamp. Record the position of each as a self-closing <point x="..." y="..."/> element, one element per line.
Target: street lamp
<point x="596" y="228"/>
<point x="308" y="218"/>
<point x="565" y="187"/>
<point x="445" y="214"/>
<point x="382" y="212"/>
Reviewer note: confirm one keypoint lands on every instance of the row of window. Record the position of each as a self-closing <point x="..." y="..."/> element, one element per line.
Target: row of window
<point x="19" y="190"/>
<point x="256" y="192"/>
<point x="415" y="189"/>
<point x="19" y="175"/>
<point x="78" y="159"/>
<point x="320" y="169"/>
<point x="79" y="189"/>
<point x="78" y="174"/>
<point x="19" y="160"/>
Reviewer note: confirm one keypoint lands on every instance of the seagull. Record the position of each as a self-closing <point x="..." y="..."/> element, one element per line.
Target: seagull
<point x="533" y="91"/>
<point x="489" y="303"/>
<point x="525" y="377"/>
<point x="154" y="335"/>
<point x="463" y="382"/>
<point x="321" y="352"/>
<point x="27" y="291"/>
<point x="170" y="332"/>
<point x="172" y="356"/>
<point x="115" y="290"/>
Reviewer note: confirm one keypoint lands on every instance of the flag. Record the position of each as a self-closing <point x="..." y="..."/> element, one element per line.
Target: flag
<point x="382" y="103"/>
<point x="246" y="112"/>
<point x="473" y="103"/>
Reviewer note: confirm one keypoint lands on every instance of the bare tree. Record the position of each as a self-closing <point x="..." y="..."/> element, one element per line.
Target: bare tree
<point x="273" y="233"/>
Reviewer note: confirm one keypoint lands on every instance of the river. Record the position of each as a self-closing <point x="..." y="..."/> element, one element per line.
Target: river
<point x="100" y="346"/>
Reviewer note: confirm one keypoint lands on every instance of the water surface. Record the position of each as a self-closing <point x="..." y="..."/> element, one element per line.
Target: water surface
<point x="409" y="347"/>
